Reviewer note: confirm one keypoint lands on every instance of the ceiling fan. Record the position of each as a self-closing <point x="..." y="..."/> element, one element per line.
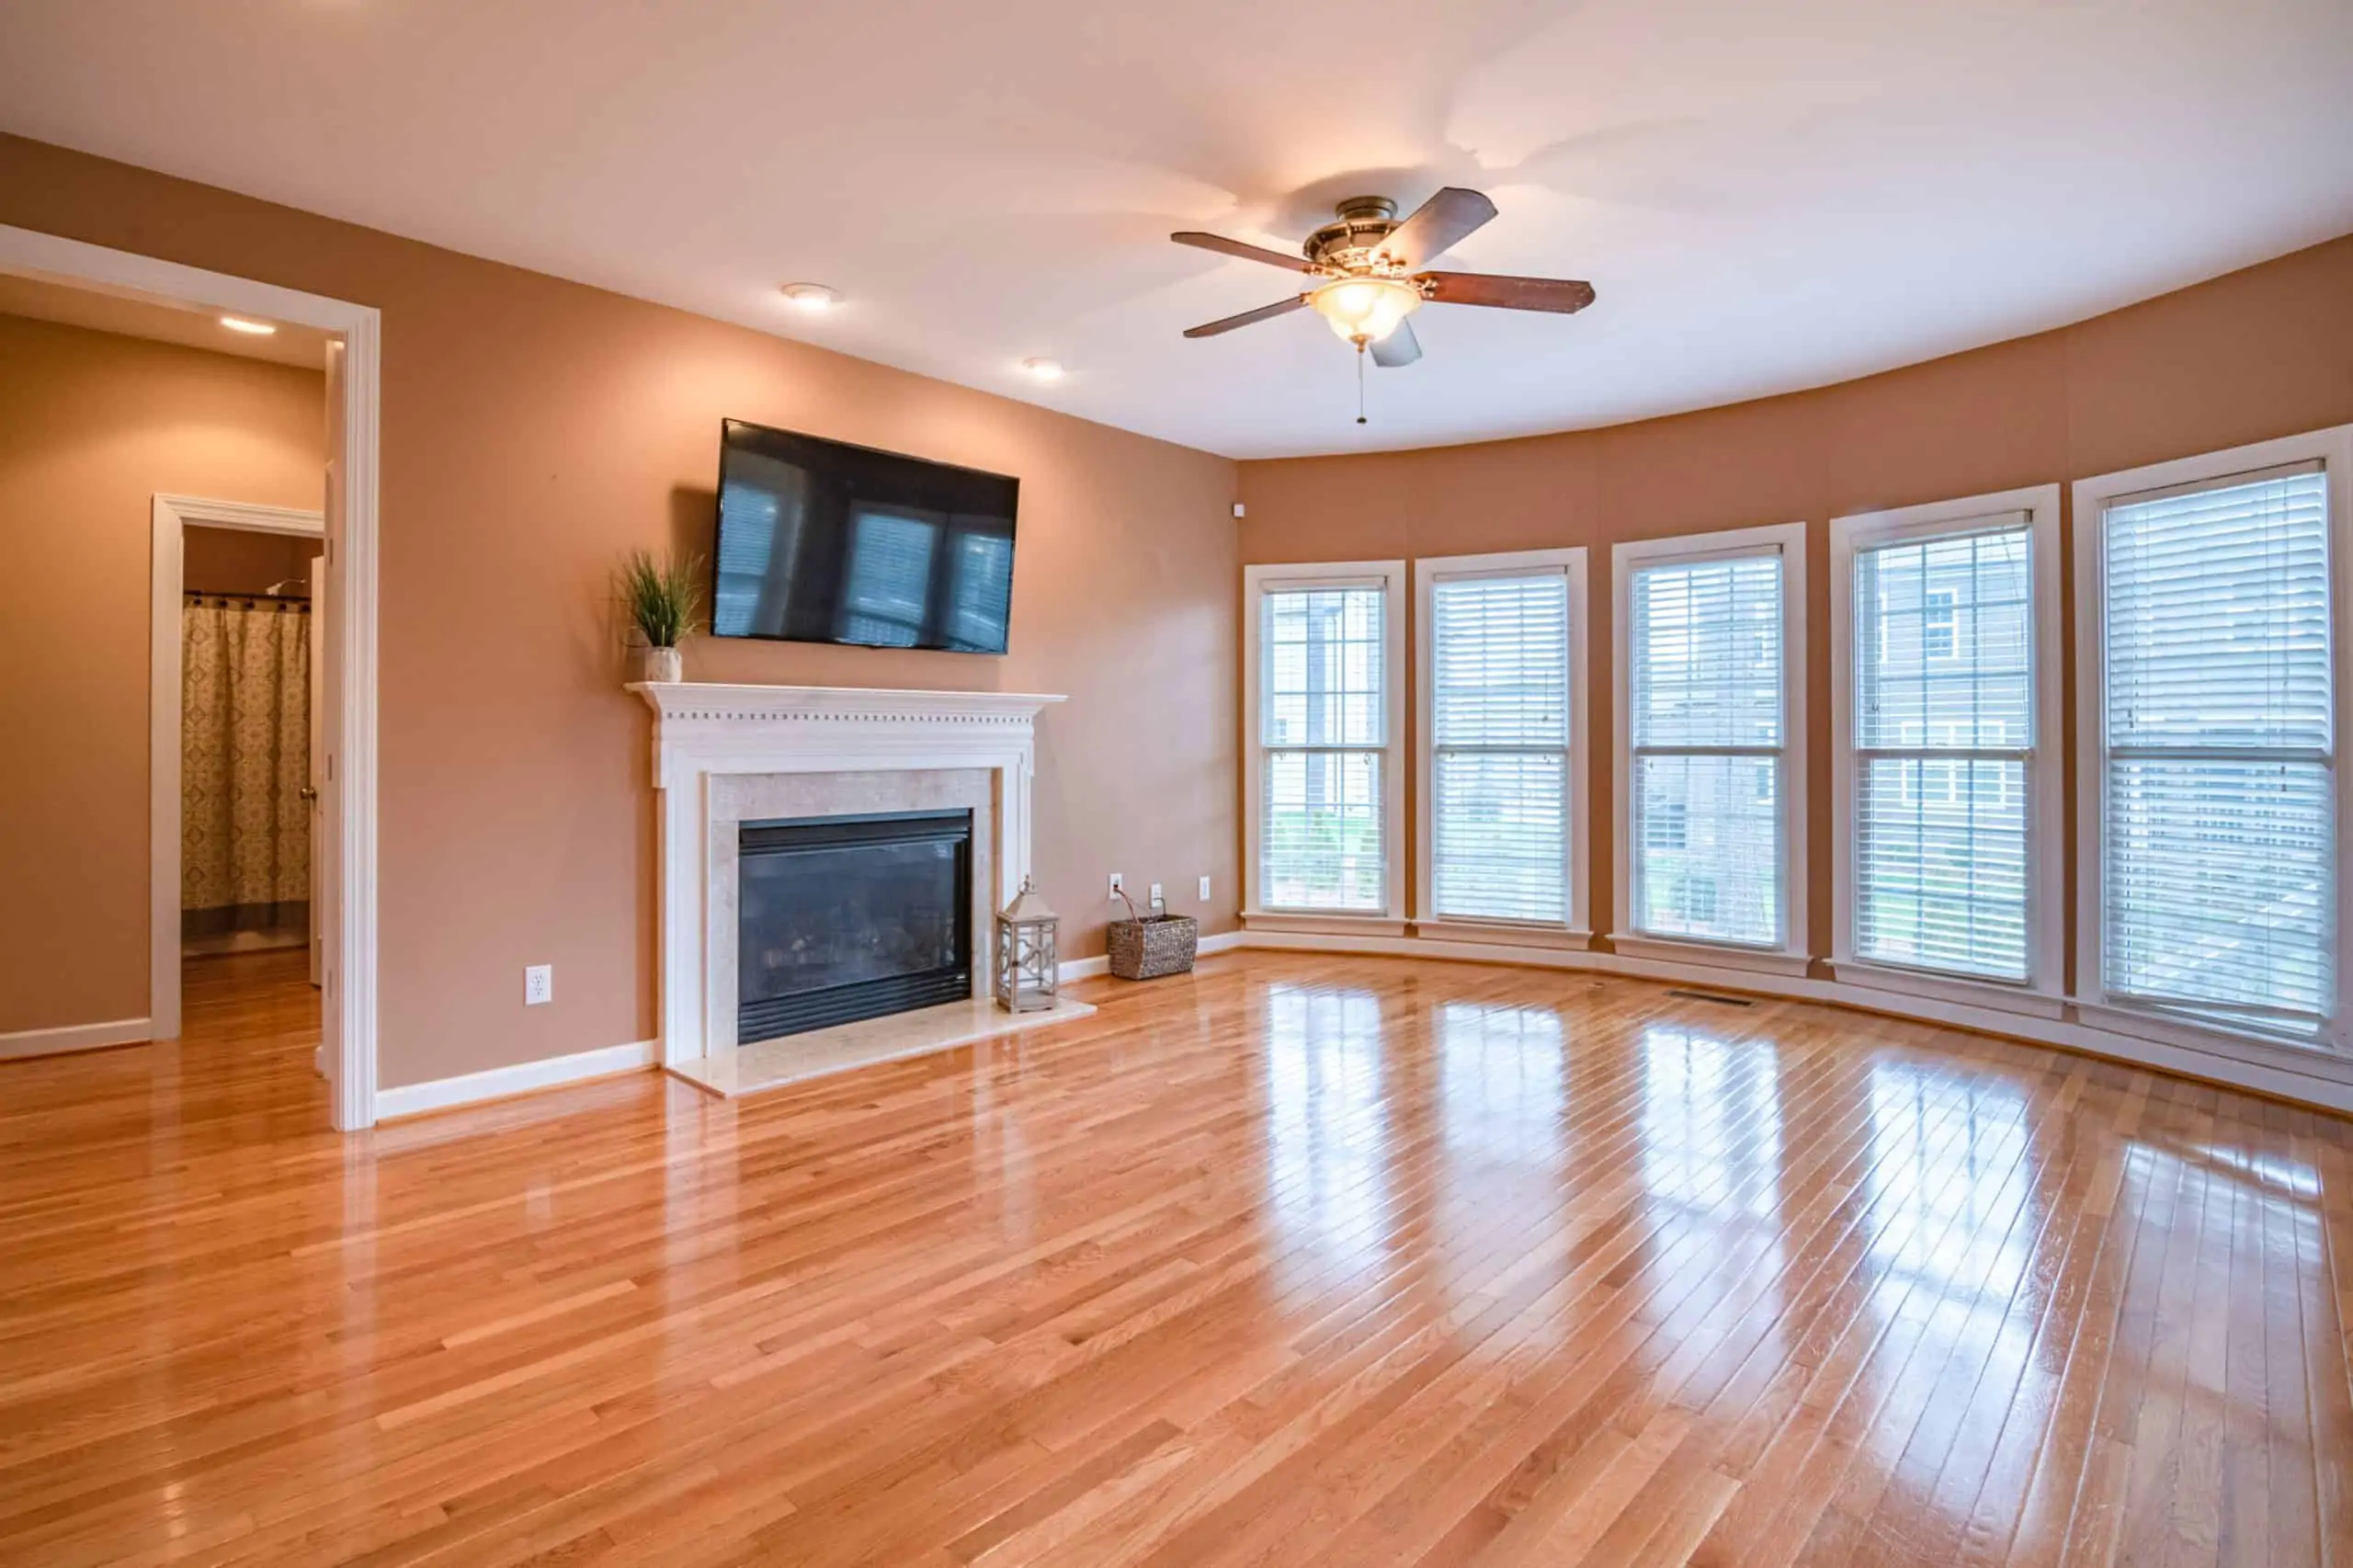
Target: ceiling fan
<point x="1370" y="267"/>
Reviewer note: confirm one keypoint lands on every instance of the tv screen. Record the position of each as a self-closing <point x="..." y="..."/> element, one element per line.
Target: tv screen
<point x="820" y="541"/>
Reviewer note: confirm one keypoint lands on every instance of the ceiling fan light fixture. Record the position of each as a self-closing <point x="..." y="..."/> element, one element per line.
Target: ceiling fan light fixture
<point x="1365" y="310"/>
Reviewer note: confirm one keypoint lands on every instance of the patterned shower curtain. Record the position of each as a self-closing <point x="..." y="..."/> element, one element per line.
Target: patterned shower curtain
<point x="245" y="759"/>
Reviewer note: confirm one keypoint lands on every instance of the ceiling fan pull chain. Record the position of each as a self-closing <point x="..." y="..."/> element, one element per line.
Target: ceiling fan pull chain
<point x="1359" y="380"/>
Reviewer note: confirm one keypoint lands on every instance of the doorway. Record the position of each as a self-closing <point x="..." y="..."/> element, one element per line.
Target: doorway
<point x="241" y="850"/>
<point x="344" y="807"/>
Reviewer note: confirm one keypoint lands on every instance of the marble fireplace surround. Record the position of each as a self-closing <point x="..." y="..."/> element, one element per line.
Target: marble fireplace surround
<point x="725" y="754"/>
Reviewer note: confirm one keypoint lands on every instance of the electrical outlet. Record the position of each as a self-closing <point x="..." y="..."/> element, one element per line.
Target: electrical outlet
<point x="539" y="985"/>
<point x="1119" y="885"/>
<point x="1157" y="902"/>
<point x="1205" y="890"/>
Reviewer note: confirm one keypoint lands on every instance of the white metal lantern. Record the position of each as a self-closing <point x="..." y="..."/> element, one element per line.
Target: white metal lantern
<point x="1028" y="970"/>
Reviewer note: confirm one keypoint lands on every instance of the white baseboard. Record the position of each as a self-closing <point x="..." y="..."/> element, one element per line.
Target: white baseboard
<point x="74" y="1037"/>
<point x="414" y="1099"/>
<point x="1086" y="969"/>
<point x="2326" y="1082"/>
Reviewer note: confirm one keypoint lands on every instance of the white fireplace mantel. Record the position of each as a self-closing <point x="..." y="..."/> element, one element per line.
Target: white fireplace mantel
<point x="701" y="731"/>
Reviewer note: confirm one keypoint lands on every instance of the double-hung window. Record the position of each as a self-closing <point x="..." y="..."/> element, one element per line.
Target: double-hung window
<point x="1325" y="709"/>
<point x="1945" y="681"/>
<point x="1503" y="714"/>
<point x="1710" y="742"/>
<point x="2212" y="642"/>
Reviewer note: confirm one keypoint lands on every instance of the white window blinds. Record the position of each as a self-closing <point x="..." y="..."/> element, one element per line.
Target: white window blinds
<point x="1943" y="736"/>
<point x="1323" y="733"/>
<point x="1708" y="732"/>
<point x="2219" y="838"/>
<point x="1499" y="761"/>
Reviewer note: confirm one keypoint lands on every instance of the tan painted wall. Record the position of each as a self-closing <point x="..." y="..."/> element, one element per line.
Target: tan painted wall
<point x="243" y="561"/>
<point x="91" y="427"/>
<point x="535" y="429"/>
<point x="2260" y="353"/>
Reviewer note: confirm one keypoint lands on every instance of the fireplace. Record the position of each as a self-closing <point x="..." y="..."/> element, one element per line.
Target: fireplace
<point x="848" y="917"/>
<point x="728" y="755"/>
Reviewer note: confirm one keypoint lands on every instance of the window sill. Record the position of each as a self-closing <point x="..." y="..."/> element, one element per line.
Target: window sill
<point x="2168" y="1029"/>
<point x="1335" y="923"/>
<point x="1501" y="933"/>
<point x="1756" y="961"/>
<point x="1901" y="982"/>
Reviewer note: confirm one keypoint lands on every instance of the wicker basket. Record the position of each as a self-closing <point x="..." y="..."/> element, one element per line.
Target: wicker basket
<point x="1152" y="945"/>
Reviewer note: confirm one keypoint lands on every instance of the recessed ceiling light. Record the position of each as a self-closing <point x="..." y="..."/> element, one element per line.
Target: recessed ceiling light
<point x="250" y="328"/>
<point x="814" y="297"/>
<point x="1043" y="369"/>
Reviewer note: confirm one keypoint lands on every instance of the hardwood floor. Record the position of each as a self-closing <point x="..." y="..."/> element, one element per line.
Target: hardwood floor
<point x="1297" y="1261"/>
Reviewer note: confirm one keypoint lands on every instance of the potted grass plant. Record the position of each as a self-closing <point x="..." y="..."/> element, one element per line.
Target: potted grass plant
<point x="663" y="597"/>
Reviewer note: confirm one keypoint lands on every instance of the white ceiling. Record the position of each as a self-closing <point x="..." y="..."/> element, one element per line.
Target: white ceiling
<point x="1766" y="196"/>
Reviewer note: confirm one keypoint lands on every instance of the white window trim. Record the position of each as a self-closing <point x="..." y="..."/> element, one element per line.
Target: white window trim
<point x="1428" y="572"/>
<point x="2045" y="990"/>
<point x="1257" y="582"/>
<point x="2333" y="450"/>
<point x="1792" y="956"/>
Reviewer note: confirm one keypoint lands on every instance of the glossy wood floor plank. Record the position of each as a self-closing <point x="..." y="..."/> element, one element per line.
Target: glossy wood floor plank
<point x="1295" y="1261"/>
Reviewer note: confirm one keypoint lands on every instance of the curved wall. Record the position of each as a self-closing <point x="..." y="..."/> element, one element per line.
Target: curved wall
<point x="2256" y="354"/>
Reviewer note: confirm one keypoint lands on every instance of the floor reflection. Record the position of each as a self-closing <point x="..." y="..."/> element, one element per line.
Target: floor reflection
<point x="1500" y="1076"/>
<point x="1503" y="1128"/>
<point x="1327" y="1180"/>
<point x="1710" y="1122"/>
<point x="1956" y="1203"/>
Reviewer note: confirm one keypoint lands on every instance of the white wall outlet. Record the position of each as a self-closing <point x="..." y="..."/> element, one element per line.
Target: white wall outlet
<point x="1119" y="885"/>
<point x="539" y="985"/>
<point x="1205" y="890"/>
<point x="1157" y="902"/>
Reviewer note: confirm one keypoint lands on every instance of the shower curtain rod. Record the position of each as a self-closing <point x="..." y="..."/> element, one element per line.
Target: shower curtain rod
<point x="263" y="598"/>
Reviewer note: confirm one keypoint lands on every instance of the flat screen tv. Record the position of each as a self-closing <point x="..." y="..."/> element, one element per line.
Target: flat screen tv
<point x="820" y="541"/>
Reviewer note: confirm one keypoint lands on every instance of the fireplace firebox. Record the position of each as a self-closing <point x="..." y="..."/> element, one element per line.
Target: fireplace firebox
<point x="848" y="917"/>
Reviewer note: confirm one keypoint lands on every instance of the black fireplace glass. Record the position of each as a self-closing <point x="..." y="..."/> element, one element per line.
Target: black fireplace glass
<point x="850" y="918"/>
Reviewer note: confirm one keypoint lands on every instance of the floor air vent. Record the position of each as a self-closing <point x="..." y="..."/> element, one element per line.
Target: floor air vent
<point x="1713" y="996"/>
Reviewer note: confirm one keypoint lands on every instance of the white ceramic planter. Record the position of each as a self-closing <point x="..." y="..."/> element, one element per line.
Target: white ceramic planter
<point x="660" y="665"/>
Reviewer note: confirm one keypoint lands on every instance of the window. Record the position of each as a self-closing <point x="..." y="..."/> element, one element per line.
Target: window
<point x="1325" y="710"/>
<point x="1698" y="896"/>
<point x="1948" y="799"/>
<point x="1711" y="786"/>
<point x="2212" y="633"/>
<point x="1940" y="624"/>
<point x="1502" y="764"/>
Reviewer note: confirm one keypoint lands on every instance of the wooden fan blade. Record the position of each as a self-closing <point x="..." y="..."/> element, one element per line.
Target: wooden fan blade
<point x="1224" y="246"/>
<point x="1437" y="226"/>
<point x="1400" y="348"/>
<point x="1559" y="295"/>
<point x="1263" y="312"/>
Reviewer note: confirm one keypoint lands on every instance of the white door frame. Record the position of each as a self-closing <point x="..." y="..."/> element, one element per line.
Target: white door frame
<point x="166" y="697"/>
<point x="349" y="847"/>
